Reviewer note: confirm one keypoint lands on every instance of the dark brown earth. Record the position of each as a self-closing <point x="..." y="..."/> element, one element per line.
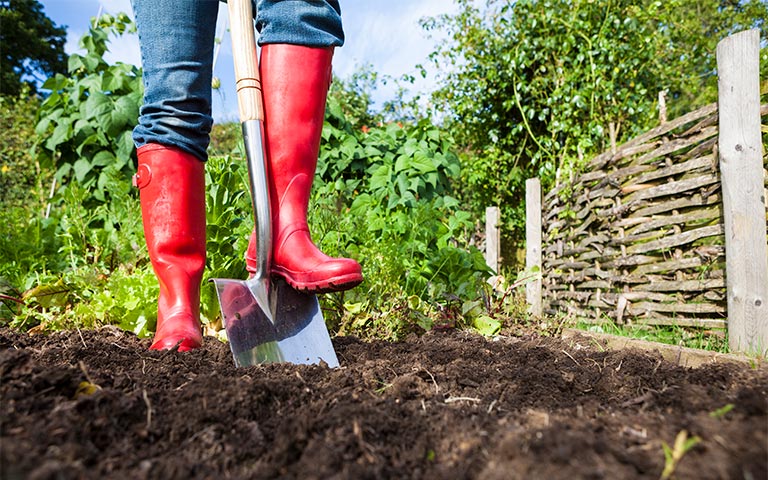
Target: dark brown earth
<point x="444" y="405"/>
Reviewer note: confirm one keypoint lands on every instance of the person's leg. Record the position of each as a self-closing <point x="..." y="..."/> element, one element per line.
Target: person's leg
<point x="176" y="39"/>
<point x="297" y="39"/>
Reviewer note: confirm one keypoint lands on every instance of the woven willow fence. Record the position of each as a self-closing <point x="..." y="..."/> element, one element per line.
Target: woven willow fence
<point x="639" y="236"/>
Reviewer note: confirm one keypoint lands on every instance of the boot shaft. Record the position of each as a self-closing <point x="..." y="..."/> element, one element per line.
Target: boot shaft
<point x="172" y="193"/>
<point x="295" y="81"/>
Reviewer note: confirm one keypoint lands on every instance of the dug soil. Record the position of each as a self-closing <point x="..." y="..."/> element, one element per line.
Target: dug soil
<point x="444" y="405"/>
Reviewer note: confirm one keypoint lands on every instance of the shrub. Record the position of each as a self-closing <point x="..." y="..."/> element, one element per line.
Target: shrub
<point x="85" y="125"/>
<point x="20" y="176"/>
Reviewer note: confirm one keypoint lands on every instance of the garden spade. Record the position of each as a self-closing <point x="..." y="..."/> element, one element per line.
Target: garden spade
<point x="265" y="318"/>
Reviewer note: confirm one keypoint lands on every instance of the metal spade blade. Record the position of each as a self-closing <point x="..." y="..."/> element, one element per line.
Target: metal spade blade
<point x="297" y="335"/>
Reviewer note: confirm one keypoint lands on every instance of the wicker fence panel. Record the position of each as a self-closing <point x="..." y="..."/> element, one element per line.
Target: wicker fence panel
<point x="638" y="237"/>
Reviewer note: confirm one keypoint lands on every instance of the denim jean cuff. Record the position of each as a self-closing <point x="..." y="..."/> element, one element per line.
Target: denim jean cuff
<point x="310" y="23"/>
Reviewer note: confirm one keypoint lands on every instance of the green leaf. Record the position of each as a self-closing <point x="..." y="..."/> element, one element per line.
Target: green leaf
<point x="74" y="63"/>
<point x="423" y="163"/>
<point x="123" y="114"/>
<point x="60" y="134"/>
<point x="403" y="162"/>
<point x="486" y="325"/>
<point x="42" y="126"/>
<point x="102" y="158"/>
<point x="380" y="178"/>
<point x="361" y="204"/>
<point x="49" y="295"/>
<point x="722" y="411"/>
<point x="97" y="106"/>
<point x="410" y="147"/>
<point x="334" y="109"/>
<point x="81" y="167"/>
<point x="89" y="140"/>
<point x="125" y="148"/>
<point x="102" y="183"/>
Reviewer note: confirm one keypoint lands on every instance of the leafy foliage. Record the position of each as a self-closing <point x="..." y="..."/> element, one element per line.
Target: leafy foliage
<point x="229" y="220"/>
<point x="20" y="176"/>
<point x="353" y="97"/>
<point x="85" y="124"/>
<point x="694" y="29"/>
<point x="532" y="86"/>
<point x="386" y="201"/>
<point x="83" y="266"/>
<point x="225" y="139"/>
<point x="70" y="273"/>
<point x="32" y="45"/>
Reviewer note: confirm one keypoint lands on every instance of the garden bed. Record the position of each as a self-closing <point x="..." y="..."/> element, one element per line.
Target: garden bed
<point x="445" y="405"/>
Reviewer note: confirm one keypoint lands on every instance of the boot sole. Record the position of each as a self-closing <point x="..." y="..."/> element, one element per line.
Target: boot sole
<point x="338" y="284"/>
<point x="180" y="343"/>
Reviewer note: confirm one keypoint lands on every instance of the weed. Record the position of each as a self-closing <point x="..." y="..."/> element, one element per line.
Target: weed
<point x="672" y="455"/>
<point x="722" y="411"/>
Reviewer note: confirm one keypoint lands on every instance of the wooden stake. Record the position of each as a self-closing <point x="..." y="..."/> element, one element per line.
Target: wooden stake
<point x="741" y="170"/>
<point x="492" y="238"/>
<point x="533" y="244"/>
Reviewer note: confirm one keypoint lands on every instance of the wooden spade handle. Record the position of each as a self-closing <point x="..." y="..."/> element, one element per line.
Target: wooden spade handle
<point x="249" y="97"/>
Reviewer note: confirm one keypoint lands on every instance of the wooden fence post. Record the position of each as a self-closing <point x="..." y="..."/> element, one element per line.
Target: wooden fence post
<point x="741" y="171"/>
<point x="492" y="238"/>
<point x="533" y="244"/>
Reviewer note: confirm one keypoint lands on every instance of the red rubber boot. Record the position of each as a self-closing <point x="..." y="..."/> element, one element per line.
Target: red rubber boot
<point x="172" y="191"/>
<point x="295" y="81"/>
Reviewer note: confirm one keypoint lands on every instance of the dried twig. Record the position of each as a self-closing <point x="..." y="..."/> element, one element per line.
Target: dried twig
<point x="462" y="399"/>
<point x="149" y="408"/>
<point x="437" y="388"/>
<point x="81" y="338"/>
<point x="85" y="371"/>
<point x="571" y="357"/>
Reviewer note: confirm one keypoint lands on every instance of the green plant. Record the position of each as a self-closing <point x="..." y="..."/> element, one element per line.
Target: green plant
<point x="89" y="297"/>
<point x="128" y="298"/>
<point x="229" y="218"/>
<point x="28" y="244"/>
<point x="20" y="176"/>
<point x="98" y="272"/>
<point x="78" y="268"/>
<point x="352" y="96"/>
<point x="384" y="198"/>
<point x="226" y="139"/>
<point x="84" y="126"/>
<point x="531" y="87"/>
<point x="672" y="455"/>
<point x="712" y="339"/>
<point x="722" y="411"/>
<point x="81" y="262"/>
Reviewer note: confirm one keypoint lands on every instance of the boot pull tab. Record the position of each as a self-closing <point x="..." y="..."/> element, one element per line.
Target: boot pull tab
<point x="142" y="176"/>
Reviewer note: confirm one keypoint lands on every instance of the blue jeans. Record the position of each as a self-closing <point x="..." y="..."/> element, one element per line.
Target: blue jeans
<point x="177" y="38"/>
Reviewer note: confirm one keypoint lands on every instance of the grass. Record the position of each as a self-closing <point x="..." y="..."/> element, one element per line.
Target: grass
<point x="714" y="340"/>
